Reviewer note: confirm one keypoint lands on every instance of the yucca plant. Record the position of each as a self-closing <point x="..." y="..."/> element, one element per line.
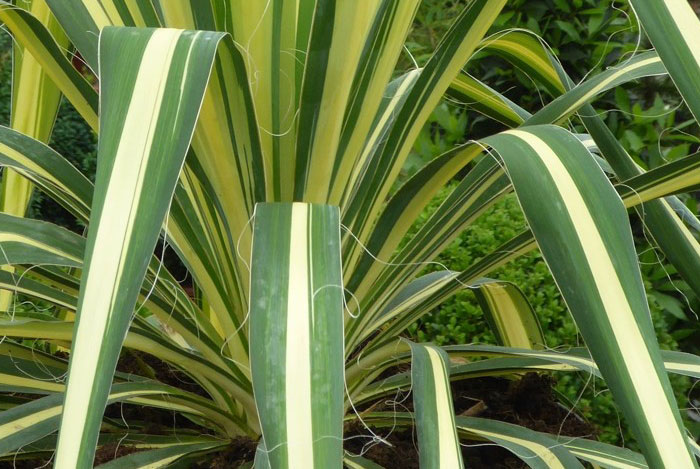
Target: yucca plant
<point x="262" y="140"/>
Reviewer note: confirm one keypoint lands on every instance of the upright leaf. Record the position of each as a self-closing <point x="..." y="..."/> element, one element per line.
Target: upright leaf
<point x="296" y="333"/>
<point x="35" y="100"/>
<point x="152" y="83"/>
<point x="438" y="444"/>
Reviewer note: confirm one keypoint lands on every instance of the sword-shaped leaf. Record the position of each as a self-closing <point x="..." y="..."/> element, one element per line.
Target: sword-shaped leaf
<point x="438" y="445"/>
<point x="152" y="86"/>
<point x="591" y="256"/>
<point x="296" y="333"/>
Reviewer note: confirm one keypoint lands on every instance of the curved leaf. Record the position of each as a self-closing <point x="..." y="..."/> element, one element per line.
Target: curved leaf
<point x="591" y="256"/>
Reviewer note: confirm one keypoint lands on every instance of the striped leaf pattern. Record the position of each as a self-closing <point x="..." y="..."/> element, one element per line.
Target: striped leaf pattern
<point x="132" y="151"/>
<point x="538" y="451"/>
<point x="39" y="39"/>
<point x="160" y="457"/>
<point x="459" y="43"/>
<point x="437" y="436"/>
<point x="529" y="53"/>
<point x="297" y="286"/>
<point x="508" y="312"/>
<point x="53" y="174"/>
<point x="28" y="422"/>
<point x="26" y="241"/>
<point x="83" y="21"/>
<point x="228" y="136"/>
<point x="507" y="360"/>
<point x="593" y="260"/>
<point x="34" y="105"/>
<point x="672" y="26"/>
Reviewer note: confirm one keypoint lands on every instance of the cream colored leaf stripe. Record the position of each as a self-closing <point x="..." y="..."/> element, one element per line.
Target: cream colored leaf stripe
<point x="642" y="65"/>
<point x="681" y="175"/>
<point x="508" y="360"/>
<point x="297" y="304"/>
<point x="137" y="339"/>
<point x="663" y="225"/>
<point x="524" y="50"/>
<point x="536" y="449"/>
<point x="480" y="97"/>
<point x="674" y="30"/>
<point x="438" y="445"/>
<point x="475" y="193"/>
<point x="69" y="187"/>
<point x="28" y="422"/>
<point x="362" y="210"/>
<point x="461" y="372"/>
<point x="39" y="374"/>
<point x="50" y="171"/>
<point x="377" y="284"/>
<point x="224" y="177"/>
<point x="338" y="34"/>
<point x="143" y="142"/>
<point x="674" y="362"/>
<point x="161" y="457"/>
<point x="27" y="241"/>
<point x="45" y="446"/>
<point x="34" y="105"/>
<point x="602" y="454"/>
<point x="369" y="91"/>
<point x="38" y="40"/>
<point x="33" y="375"/>
<point x="409" y="310"/>
<point x="508" y="312"/>
<point x="604" y="292"/>
<point x="394" y="97"/>
<point x="83" y="20"/>
<point x="404" y="207"/>
<point x="274" y="52"/>
<point x="396" y="94"/>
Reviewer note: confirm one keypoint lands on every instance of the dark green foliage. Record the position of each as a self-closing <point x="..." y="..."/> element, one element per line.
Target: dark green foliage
<point x="71" y="137"/>
<point x="5" y="77"/>
<point x="74" y="139"/>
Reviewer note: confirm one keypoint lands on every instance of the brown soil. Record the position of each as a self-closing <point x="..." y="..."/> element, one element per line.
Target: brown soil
<point x="529" y="402"/>
<point x="112" y="451"/>
<point x="403" y="452"/>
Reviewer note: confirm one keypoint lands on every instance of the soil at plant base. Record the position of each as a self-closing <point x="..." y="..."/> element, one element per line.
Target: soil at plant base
<point x="528" y="401"/>
<point x="112" y="451"/>
<point x="240" y="450"/>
